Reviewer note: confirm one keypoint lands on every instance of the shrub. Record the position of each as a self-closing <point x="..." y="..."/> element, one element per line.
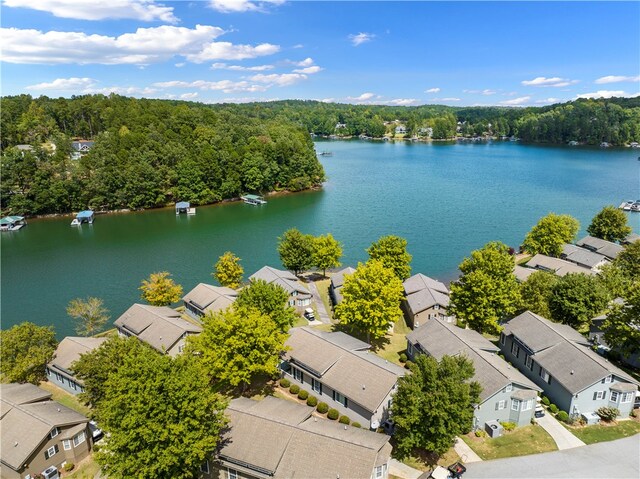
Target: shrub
<point x="333" y="414"/>
<point x="563" y="416"/>
<point x="481" y="433"/>
<point x="322" y="408"/>
<point x="608" y="413"/>
<point x="533" y="421"/>
<point x="545" y="401"/>
<point x="344" y="420"/>
<point x="356" y="424"/>
<point x="285" y="383"/>
<point x="553" y="408"/>
<point x="403" y="358"/>
<point x="294" y="389"/>
<point x="408" y="364"/>
<point x="633" y="413"/>
<point x="69" y="466"/>
<point x="508" y="426"/>
<point x="312" y="401"/>
<point x="303" y="394"/>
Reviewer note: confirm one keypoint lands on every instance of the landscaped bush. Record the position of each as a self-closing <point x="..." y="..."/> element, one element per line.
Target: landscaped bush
<point x="545" y="401"/>
<point x="312" y="401"/>
<point x="563" y="416"/>
<point x="322" y="408"/>
<point x="333" y="414"/>
<point x="408" y="364"/>
<point x="294" y="389"/>
<point x="508" y="426"/>
<point x="69" y="466"/>
<point x="403" y="358"/>
<point x="303" y="394"/>
<point x="553" y="408"/>
<point x="285" y="383"/>
<point x="356" y="424"/>
<point x="481" y="433"/>
<point x="344" y="420"/>
<point x="608" y="413"/>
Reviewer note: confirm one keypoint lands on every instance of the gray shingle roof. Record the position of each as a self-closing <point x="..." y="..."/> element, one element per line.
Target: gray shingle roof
<point x="559" y="266"/>
<point x="521" y="273"/>
<point x="209" y="298"/>
<point x="359" y="375"/>
<point x="286" y="280"/>
<point x="69" y="351"/>
<point x="419" y="281"/>
<point x="159" y="326"/>
<point x="337" y="280"/>
<point x="562" y="351"/>
<point x="582" y="256"/>
<point x="438" y="339"/>
<point x="23" y="393"/>
<point x="603" y="247"/>
<point x="423" y="293"/>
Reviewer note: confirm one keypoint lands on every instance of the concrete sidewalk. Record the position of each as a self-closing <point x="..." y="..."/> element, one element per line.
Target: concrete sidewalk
<point x="563" y="438"/>
<point x="323" y="316"/>
<point x="466" y="454"/>
<point x="396" y="468"/>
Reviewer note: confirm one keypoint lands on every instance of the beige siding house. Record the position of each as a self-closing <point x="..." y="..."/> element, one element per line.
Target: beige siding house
<point x="68" y="351"/>
<point x="299" y="295"/>
<point x="206" y="298"/>
<point x="425" y="299"/>
<point x="337" y="281"/>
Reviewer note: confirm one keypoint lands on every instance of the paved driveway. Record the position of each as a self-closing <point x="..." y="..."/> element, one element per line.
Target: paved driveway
<point x="615" y="459"/>
<point x="563" y="438"/>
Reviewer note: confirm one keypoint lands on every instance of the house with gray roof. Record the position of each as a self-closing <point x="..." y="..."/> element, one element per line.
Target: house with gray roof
<point x="583" y="257"/>
<point x="299" y="295"/>
<point x="278" y="439"/>
<point x="507" y="395"/>
<point x="631" y="238"/>
<point x="557" y="266"/>
<point x="560" y="361"/>
<point x="600" y="246"/>
<point x="38" y="433"/>
<point x="337" y="281"/>
<point x="522" y="273"/>
<point x="59" y="370"/>
<point x="425" y="299"/>
<point x="79" y="148"/>
<point x="160" y="327"/>
<point x="206" y="298"/>
<point x="340" y="371"/>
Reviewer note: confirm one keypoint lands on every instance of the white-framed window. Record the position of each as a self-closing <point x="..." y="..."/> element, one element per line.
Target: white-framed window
<point x="515" y="349"/>
<point x="598" y="395"/>
<point x="436" y="307"/>
<point x="627" y="397"/>
<point x="181" y="348"/>
<point x="66" y="444"/>
<point x="54" y="432"/>
<point x="501" y="405"/>
<point x="316" y="386"/>
<point x="339" y="398"/>
<point x="297" y="374"/>
<point x="79" y="439"/>
<point x="52" y="451"/>
<point x="545" y="375"/>
<point x="608" y="379"/>
<point x="503" y="339"/>
<point x="528" y="362"/>
<point x="232" y="474"/>
<point x="205" y="467"/>
<point x="292" y="302"/>
<point x="527" y="405"/>
<point x="379" y="472"/>
<point x="515" y="404"/>
<point x="409" y="349"/>
<point x="508" y="388"/>
<point x="614" y="396"/>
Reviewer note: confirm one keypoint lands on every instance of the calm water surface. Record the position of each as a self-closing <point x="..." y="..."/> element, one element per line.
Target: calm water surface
<point x="446" y="200"/>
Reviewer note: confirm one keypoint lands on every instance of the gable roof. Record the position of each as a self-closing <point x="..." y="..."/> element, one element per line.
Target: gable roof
<point x="278" y="438"/>
<point x="521" y="273"/>
<point x="438" y="339"/>
<point x="559" y="266"/>
<point x="363" y="377"/>
<point x="419" y="281"/>
<point x="159" y="326"/>
<point x="209" y="298"/>
<point x="603" y="247"/>
<point x="69" y="351"/>
<point x="562" y="351"/>
<point x="582" y="256"/>
<point x="337" y="280"/>
<point x="423" y="293"/>
<point x="25" y="424"/>
<point x="286" y="280"/>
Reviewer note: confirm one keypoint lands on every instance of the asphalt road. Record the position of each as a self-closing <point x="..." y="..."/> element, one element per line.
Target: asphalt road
<point x="615" y="459"/>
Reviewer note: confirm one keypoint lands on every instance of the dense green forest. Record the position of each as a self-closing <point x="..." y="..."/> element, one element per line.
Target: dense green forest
<point x="149" y="153"/>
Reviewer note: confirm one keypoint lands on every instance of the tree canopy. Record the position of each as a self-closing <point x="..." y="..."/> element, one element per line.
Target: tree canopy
<point x="228" y="271"/>
<point x="609" y="224"/>
<point x="535" y="292"/>
<point x="160" y="289"/>
<point x="622" y="326"/>
<point x="25" y="350"/>
<point x="550" y="234"/>
<point x="296" y="250"/>
<point x="391" y="251"/>
<point x="269" y="299"/>
<point x="327" y="252"/>
<point x="90" y="315"/>
<point x="629" y="261"/>
<point x="576" y="299"/>
<point x="434" y="404"/>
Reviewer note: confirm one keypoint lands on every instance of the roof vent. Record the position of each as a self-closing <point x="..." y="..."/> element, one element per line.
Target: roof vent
<point x="345" y="427"/>
<point x="572" y="371"/>
<point x="315" y="419"/>
<point x="58" y="409"/>
<point x="15" y="444"/>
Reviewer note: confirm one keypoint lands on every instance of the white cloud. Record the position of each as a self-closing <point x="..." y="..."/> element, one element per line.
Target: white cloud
<point x="603" y="94"/>
<point x="229" y="51"/>
<point x="240" y="68"/>
<point x="485" y="92"/>
<point x="327" y="100"/>
<point x="401" y="102"/>
<point x="282" y="79"/>
<point x="616" y="79"/>
<point x="361" y="38"/>
<point x="363" y="97"/>
<point x="549" y="100"/>
<point x="549" y="82"/>
<point x="309" y="70"/>
<point x="239" y="6"/>
<point x="226" y="86"/>
<point x="298" y="45"/>
<point x="516" y="101"/>
<point x="122" y="90"/>
<point x="145" y="10"/>
<point x="307" y="62"/>
<point x="432" y="90"/>
<point x="189" y="96"/>
<point x="62" y="84"/>
<point x="241" y="100"/>
<point x="445" y="99"/>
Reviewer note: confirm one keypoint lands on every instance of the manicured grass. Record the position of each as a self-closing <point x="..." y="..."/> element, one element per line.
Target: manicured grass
<point x="323" y="290"/>
<point x="300" y="321"/>
<point x="426" y="461"/>
<point x="391" y="351"/>
<point x="602" y="433"/>
<point x="520" y="442"/>
<point x="107" y="334"/>
<point x="87" y="469"/>
<point x="323" y="327"/>
<point x="65" y="398"/>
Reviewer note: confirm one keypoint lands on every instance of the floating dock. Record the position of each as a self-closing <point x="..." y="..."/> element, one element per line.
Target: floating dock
<point x="630" y="206"/>
<point x="254" y="200"/>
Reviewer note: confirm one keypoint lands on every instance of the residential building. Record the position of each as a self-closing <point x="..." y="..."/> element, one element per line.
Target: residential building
<point x="338" y="369"/>
<point x="522" y="273"/>
<point x="160" y="327"/>
<point x="279" y="439"/>
<point x="600" y="246"/>
<point x="59" y="370"/>
<point x="560" y="361"/>
<point x="425" y="299"/>
<point x="557" y="266"/>
<point x="299" y="295"/>
<point x="38" y="433"/>
<point x="631" y="238"/>
<point x="206" y="298"/>
<point x="507" y="395"/>
<point x="80" y="148"/>
<point x="583" y="257"/>
<point x="337" y="281"/>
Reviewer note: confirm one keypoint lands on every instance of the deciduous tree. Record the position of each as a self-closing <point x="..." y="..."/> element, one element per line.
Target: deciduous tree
<point x="327" y="252"/>
<point x="629" y="261"/>
<point x="550" y="234"/>
<point x="576" y="299"/>
<point x="622" y="326"/>
<point x="269" y="299"/>
<point x="434" y="404"/>
<point x="25" y="350"/>
<point x="371" y="299"/>
<point x="90" y="315"/>
<point x="392" y="252"/>
<point x="228" y="270"/>
<point x="160" y="289"/>
<point x="296" y="251"/>
<point x="609" y="224"/>
<point x="535" y="292"/>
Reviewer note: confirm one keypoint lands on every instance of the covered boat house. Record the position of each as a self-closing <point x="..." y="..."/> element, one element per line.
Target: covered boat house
<point x="85" y="216"/>
<point x="12" y="223"/>
<point x="182" y="207"/>
<point x="253" y="200"/>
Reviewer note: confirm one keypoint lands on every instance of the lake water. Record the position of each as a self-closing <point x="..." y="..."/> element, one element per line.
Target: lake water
<point x="445" y="199"/>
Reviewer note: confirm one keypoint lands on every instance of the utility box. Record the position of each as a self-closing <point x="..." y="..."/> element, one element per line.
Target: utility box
<point x="591" y="418"/>
<point x="493" y="428"/>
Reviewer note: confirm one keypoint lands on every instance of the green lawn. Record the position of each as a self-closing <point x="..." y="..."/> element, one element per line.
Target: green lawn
<point x="323" y="290"/>
<point x="300" y="321"/>
<point x="520" y="442"/>
<point x="426" y="461"/>
<point x="602" y="433"/>
<point x="65" y="398"/>
<point x="87" y="469"/>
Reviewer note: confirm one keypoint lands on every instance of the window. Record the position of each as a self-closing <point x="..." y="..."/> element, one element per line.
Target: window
<point x="181" y="348"/>
<point x="52" y="451"/>
<point x="436" y="307"/>
<point x="205" y="467"/>
<point x="78" y="439"/>
<point x="54" y="432"/>
<point x="232" y="474"/>
<point x="608" y="379"/>
<point x="66" y="444"/>
<point x="598" y="395"/>
<point x="503" y="339"/>
<point x="508" y="388"/>
<point x="614" y="396"/>
<point x="379" y="472"/>
<point x="501" y="405"/>
<point x="316" y="386"/>
<point x="527" y="405"/>
<point x="297" y="374"/>
<point x="409" y="349"/>
<point x="545" y="375"/>
<point x="515" y="349"/>
<point x="528" y="361"/>
<point x="515" y="405"/>
<point x="627" y="397"/>
<point x="339" y="398"/>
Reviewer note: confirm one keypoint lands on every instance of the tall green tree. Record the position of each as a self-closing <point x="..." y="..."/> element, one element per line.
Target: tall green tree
<point x="327" y="252"/>
<point x="90" y="315"/>
<point x="162" y="418"/>
<point x="622" y="326"/>
<point x="160" y="289"/>
<point x="269" y="299"/>
<point x="629" y="261"/>
<point x="392" y="252"/>
<point x="371" y="299"/>
<point x="577" y="298"/>
<point x="237" y="345"/>
<point x="609" y="224"/>
<point x="228" y="270"/>
<point x="434" y="404"/>
<point x="487" y="291"/>
<point x="25" y="350"/>
<point x="536" y="291"/>
<point x="550" y="234"/>
<point x="296" y="251"/>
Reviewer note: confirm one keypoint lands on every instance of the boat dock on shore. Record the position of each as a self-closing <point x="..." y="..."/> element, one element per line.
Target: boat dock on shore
<point x="630" y="206"/>
<point x="254" y="200"/>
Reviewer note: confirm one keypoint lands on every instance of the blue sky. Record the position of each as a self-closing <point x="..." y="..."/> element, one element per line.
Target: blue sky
<point x="402" y="53"/>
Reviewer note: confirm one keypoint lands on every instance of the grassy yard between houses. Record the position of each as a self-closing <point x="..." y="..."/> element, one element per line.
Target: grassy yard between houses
<point x="605" y="432"/>
<point x="64" y="398"/>
<point x="520" y="442"/>
<point x="323" y="290"/>
<point x="86" y="469"/>
<point x="425" y="461"/>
